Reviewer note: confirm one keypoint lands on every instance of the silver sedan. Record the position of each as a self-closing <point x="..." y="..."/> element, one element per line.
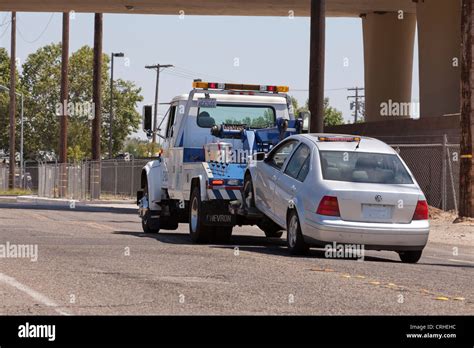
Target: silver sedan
<point x="331" y="190"/>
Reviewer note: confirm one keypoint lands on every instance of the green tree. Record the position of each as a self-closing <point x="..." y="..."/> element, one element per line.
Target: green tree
<point x="332" y="116"/>
<point x="5" y="101"/>
<point x="5" y="81"/>
<point x="139" y="148"/>
<point x="41" y="80"/>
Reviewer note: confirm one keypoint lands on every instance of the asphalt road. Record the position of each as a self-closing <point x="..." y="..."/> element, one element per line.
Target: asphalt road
<point x="94" y="262"/>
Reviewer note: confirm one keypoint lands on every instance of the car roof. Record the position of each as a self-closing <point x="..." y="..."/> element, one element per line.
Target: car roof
<point x="366" y="144"/>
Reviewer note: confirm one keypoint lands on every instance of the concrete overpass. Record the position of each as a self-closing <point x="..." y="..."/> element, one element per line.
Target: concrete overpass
<point x="344" y="8"/>
<point x="389" y="32"/>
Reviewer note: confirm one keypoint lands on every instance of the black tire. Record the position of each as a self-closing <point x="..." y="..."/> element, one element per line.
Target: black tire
<point x="198" y="231"/>
<point x="295" y="241"/>
<point x="271" y="229"/>
<point x="150" y="226"/>
<point x="222" y="234"/>
<point x="169" y="224"/>
<point x="410" y="256"/>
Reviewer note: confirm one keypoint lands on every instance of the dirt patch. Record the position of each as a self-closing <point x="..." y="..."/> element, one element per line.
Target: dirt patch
<point x="447" y="228"/>
<point x="438" y="215"/>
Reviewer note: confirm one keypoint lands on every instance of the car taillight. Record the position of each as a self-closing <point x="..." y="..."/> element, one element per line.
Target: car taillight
<point x="421" y="211"/>
<point x="328" y="206"/>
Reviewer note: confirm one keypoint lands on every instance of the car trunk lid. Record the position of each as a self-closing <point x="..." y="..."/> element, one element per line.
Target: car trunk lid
<point x="376" y="202"/>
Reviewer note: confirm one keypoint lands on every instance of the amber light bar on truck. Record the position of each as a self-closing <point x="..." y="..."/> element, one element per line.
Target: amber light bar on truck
<point x="240" y="87"/>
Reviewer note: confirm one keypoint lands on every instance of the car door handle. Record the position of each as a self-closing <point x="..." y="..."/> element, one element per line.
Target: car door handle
<point x="274" y="177"/>
<point x="293" y="188"/>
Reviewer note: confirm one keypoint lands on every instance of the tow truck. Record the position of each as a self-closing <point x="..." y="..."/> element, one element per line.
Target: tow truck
<point x="208" y="139"/>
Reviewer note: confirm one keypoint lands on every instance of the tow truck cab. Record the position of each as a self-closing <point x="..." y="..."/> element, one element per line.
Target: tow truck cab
<point x="208" y="136"/>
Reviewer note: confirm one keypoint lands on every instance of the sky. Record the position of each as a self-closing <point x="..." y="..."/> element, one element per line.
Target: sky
<point x="261" y="50"/>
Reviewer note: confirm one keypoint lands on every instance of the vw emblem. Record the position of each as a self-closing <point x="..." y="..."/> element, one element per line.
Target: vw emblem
<point x="378" y="198"/>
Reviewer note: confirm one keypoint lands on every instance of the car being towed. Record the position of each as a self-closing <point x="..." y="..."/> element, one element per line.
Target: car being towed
<point x="344" y="189"/>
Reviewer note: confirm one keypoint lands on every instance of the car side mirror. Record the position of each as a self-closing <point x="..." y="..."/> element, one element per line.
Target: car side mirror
<point x="260" y="156"/>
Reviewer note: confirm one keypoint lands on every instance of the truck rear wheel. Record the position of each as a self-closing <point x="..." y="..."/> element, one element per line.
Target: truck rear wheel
<point x="198" y="231"/>
<point x="222" y="234"/>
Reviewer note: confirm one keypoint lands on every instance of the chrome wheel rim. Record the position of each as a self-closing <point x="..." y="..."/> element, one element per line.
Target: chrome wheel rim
<point x="248" y="195"/>
<point x="292" y="231"/>
<point x="194" y="214"/>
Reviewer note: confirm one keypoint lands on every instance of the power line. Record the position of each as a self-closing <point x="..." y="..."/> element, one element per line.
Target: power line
<point x="158" y="68"/>
<point x="192" y="72"/>
<point x="355" y="104"/>
<point x="5" y="30"/>
<point x="40" y="35"/>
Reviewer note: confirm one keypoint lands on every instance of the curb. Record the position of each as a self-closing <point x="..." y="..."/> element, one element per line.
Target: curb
<point x="33" y="202"/>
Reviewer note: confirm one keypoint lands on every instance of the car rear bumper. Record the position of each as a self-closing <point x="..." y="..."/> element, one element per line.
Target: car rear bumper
<point x="379" y="236"/>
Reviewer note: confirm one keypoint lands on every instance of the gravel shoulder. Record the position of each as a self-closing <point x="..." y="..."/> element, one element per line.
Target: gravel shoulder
<point x="447" y="229"/>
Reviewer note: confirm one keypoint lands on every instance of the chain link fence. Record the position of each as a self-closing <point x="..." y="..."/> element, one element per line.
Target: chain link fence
<point x="434" y="165"/>
<point x="3" y="178"/>
<point x="112" y="178"/>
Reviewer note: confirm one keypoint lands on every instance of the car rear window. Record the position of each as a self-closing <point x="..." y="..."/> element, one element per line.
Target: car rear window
<point x="363" y="167"/>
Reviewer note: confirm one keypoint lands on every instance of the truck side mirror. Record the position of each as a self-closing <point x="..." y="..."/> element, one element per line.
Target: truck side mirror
<point x="147" y="118"/>
<point x="259" y="156"/>
<point x="305" y="117"/>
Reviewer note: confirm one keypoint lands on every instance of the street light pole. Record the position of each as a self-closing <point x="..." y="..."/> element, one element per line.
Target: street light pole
<point x="111" y="113"/>
<point x="6" y="89"/>
<point x="158" y="68"/>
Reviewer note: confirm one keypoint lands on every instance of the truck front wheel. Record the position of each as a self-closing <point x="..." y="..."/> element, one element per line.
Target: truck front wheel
<point x="197" y="230"/>
<point x="150" y="225"/>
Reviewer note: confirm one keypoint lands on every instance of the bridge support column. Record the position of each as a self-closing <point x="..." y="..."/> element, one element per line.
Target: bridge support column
<point x="388" y="61"/>
<point x="439" y="45"/>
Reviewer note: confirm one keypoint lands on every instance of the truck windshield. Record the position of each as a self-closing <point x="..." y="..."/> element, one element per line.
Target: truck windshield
<point x="363" y="167"/>
<point x="252" y="116"/>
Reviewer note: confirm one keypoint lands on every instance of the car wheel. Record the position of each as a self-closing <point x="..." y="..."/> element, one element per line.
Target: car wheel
<point x="410" y="256"/>
<point x="199" y="233"/>
<point x="294" y="239"/>
<point x="271" y="229"/>
<point x="249" y="199"/>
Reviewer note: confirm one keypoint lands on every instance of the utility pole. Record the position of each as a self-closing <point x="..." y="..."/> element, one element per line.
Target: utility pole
<point x="158" y="68"/>
<point x="97" y="100"/>
<point x="466" y="180"/>
<point x="356" y="98"/>
<point x="111" y="112"/>
<point x="316" y="65"/>
<point x="12" y="106"/>
<point x="64" y="100"/>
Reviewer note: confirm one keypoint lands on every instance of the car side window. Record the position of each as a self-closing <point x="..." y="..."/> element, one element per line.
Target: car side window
<point x="298" y="166"/>
<point x="279" y="155"/>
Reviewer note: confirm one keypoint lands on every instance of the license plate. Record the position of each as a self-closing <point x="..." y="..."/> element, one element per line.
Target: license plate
<point x="379" y="212"/>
